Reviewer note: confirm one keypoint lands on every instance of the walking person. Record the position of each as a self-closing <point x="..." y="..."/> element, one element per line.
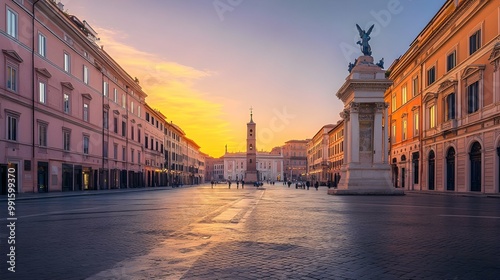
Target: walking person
<point x="212" y="184"/>
<point x="242" y="184"/>
<point x="237" y="184"/>
<point x="229" y="183"/>
<point x="316" y="185"/>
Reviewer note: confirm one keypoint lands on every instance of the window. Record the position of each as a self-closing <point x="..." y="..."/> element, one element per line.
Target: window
<point x="42" y="92"/>
<point x="85" y="145"/>
<point x="393" y="102"/>
<point x="12" y="123"/>
<point x="450" y="107"/>
<point x="85" y="74"/>
<point x="138" y="157"/>
<point x="146" y="142"/>
<point x="66" y="139"/>
<point x="156" y="145"/>
<point x="139" y="111"/>
<point x="124" y="129"/>
<point x="138" y="135"/>
<point x="105" y="117"/>
<point x="105" y="149"/>
<point x="152" y="141"/>
<point x="115" y="125"/>
<point x="451" y="60"/>
<point x="132" y="155"/>
<point x="431" y="75"/>
<point x="105" y="89"/>
<point x="132" y="107"/>
<point x="115" y="151"/>
<point x="415" y="86"/>
<point x="115" y="95"/>
<point x="393" y="138"/>
<point x="432" y="116"/>
<point x="473" y="97"/>
<point x="124" y="153"/>
<point x="86" y="112"/>
<point x="416" y="123"/>
<point x="42" y="45"/>
<point x="124" y="104"/>
<point x="474" y="42"/>
<point x="42" y="134"/>
<point x="66" y="102"/>
<point x="11" y="78"/>
<point x="404" y="95"/>
<point x="405" y="128"/>
<point x="147" y="116"/>
<point x="132" y="132"/>
<point x="11" y="23"/>
<point x="67" y="63"/>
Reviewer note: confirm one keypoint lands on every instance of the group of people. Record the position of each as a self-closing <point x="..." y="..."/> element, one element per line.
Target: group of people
<point x="229" y="184"/>
<point x="303" y="185"/>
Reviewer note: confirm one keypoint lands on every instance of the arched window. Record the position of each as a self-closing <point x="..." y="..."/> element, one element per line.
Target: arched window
<point x="475" y="167"/>
<point x="432" y="170"/>
<point x="450" y="169"/>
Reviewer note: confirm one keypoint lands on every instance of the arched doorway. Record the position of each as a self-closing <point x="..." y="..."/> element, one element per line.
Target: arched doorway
<point x="498" y="166"/>
<point x="450" y="169"/>
<point x="475" y="167"/>
<point x="403" y="171"/>
<point x="432" y="170"/>
<point x="395" y="172"/>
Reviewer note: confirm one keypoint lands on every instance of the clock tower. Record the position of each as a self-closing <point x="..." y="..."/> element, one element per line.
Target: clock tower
<point x="251" y="172"/>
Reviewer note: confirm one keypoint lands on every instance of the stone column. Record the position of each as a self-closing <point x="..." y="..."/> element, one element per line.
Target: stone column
<point x="385" y="150"/>
<point x="354" y="129"/>
<point x="347" y="156"/>
<point x="379" y="134"/>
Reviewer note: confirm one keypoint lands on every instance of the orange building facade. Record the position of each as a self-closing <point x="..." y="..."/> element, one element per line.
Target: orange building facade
<point x="444" y="113"/>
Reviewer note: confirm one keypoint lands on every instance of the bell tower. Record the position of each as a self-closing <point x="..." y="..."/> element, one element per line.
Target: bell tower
<point x="251" y="172"/>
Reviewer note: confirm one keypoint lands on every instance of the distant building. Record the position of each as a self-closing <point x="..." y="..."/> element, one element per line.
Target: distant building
<point x="317" y="156"/>
<point x="251" y="165"/>
<point x="295" y="160"/>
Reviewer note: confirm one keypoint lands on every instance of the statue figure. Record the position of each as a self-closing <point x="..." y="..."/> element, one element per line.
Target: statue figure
<point x="380" y="63"/>
<point x="365" y="37"/>
<point x="351" y="65"/>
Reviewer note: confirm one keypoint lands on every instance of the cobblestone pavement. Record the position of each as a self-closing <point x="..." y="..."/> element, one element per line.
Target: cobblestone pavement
<point x="276" y="233"/>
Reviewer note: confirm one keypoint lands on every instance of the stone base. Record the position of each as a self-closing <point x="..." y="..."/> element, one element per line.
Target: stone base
<point x="250" y="177"/>
<point x="366" y="192"/>
<point x="366" y="179"/>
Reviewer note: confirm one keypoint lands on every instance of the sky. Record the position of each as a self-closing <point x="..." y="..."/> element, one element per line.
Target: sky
<point x="205" y="63"/>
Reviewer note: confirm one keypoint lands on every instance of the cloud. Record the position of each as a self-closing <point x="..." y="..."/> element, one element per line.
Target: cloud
<point x="170" y="89"/>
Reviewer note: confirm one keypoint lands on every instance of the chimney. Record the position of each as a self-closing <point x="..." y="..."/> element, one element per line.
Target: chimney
<point x="60" y="5"/>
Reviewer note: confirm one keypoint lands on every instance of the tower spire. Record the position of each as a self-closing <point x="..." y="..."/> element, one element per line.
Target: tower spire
<point x="251" y="119"/>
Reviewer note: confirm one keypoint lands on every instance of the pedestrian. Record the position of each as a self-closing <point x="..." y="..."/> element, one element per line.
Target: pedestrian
<point x="229" y="183"/>
<point x="316" y="185"/>
<point x="212" y="184"/>
<point x="308" y="184"/>
<point x="242" y="184"/>
<point x="237" y="184"/>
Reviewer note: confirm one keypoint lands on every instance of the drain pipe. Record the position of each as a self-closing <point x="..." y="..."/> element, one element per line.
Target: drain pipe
<point x="33" y="92"/>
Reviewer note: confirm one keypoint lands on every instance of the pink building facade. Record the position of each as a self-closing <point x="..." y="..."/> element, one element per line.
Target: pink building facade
<point x="70" y="117"/>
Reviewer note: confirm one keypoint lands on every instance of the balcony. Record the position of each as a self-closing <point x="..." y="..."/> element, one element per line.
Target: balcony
<point x="450" y="124"/>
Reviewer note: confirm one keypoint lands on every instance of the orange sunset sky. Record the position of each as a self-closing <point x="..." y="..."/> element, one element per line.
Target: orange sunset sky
<point x="204" y="63"/>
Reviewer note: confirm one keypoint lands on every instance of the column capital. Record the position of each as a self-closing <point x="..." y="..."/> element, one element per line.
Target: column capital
<point x="345" y="114"/>
<point x="381" y="106"/>
<point x="354" y="107"/>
